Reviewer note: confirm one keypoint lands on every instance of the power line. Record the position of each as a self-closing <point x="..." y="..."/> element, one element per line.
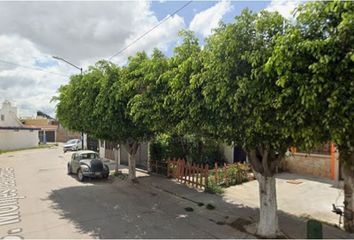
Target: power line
<point x="150" y="30"/>
<point x="32" y="68"/>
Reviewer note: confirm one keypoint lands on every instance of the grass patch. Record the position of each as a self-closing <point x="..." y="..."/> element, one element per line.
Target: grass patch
<point x="210" y="206"/>
<point x="189" y="209"/>
<point x="21" y="149"/>
<point x="120" y="175"/>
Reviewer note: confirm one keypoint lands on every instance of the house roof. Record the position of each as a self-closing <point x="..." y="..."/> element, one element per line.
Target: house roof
<point x="19" y="128"/>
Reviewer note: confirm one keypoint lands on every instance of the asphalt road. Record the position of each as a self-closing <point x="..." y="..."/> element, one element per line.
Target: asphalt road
<point x="39" y="200"/>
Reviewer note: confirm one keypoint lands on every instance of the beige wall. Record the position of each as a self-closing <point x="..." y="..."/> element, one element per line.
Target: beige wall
<point x="36" y="121"/>
<point x="11" y="139"/>
<point x="228" y="152"/>
<point x="311" y="164"/>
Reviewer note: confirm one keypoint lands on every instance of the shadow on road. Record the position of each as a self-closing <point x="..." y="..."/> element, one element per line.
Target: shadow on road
<point x="156" y="208"/>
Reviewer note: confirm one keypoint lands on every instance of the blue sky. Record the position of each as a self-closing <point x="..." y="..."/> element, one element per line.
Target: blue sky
<point x="164" y="8"/>
<point x="161" y="9"/>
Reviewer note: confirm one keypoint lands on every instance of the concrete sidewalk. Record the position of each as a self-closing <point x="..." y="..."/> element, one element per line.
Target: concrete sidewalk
<point x="302" y="196"/>
<point x="239" y="215"/>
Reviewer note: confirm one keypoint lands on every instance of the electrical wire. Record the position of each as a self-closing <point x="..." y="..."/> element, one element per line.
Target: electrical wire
<point x="150" y="30"/>
<point x="116" y="54"/>
<point x="32" y="68"/>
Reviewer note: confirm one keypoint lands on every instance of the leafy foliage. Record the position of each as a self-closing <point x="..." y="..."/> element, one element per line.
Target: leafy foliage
<point x="205" y="151"/>
<point x="315" y="71"/>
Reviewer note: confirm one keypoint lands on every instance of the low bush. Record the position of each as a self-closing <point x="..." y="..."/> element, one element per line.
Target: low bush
<point x="232" y="174"/>
<point x="213" y="187"/>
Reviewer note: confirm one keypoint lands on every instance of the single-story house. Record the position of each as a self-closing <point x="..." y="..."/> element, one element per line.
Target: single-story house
<point x="50" y="129"/>
<point x="13" y="134"/>
<point x="320" y="162"/>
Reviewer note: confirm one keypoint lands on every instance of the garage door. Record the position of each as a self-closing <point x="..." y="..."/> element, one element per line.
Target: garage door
<point x="50" y="135"/>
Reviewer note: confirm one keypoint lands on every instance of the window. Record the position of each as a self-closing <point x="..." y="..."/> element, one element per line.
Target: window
<point x="2" y="117"/>
<point x="88" y="156"/>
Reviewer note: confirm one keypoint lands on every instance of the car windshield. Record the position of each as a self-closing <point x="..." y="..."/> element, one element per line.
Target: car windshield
<point x="88" y="155"/>
<point x="71" y="141"/>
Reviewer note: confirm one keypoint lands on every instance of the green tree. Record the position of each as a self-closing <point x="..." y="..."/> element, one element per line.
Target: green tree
<point x="97" y="103"/>
<point x="314" y="61"/>
<point x="240" y="99"/>
<point x="167" y="104"/>
<point x="76" y="102"/>
<point x="131" y="132"/>
<point x="81" y="101"/>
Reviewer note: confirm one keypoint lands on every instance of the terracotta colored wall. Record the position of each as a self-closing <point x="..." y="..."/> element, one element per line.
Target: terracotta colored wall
<point x="63" y="135"/>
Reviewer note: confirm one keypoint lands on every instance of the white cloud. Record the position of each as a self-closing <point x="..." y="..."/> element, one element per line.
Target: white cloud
<point x="82" y="32"/>
<point x="284" y="7"/>
<point x="205" y="21"/>
<point x="160" y="37"/>
<point x="30" y="89"/>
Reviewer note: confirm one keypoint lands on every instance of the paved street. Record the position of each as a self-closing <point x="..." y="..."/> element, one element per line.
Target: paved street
<point x="47" y="203"/>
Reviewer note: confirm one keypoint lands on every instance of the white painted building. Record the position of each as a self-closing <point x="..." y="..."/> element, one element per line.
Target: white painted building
<point x="109" y="151"/>
<point x="13" y="134"/>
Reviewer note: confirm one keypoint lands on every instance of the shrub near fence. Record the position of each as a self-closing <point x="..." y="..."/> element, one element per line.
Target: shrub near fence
<point x="198" y="175"/>
<point x="230" y="174"/>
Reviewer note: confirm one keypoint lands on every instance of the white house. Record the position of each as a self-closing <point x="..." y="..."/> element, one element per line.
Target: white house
<point x="111" y="151"/>
<point x="13" y="134"/>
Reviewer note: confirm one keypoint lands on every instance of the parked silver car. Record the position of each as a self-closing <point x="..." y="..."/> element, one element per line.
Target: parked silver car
<point x="87" y="164"/>
<point x="72" y="145"/>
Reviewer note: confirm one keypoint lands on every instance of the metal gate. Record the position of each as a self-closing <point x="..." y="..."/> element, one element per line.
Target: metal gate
<point x="92" y="144"/>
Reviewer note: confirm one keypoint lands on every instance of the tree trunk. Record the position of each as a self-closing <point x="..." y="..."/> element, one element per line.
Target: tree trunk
<point x="348" y="175"/>
<point x="268" y="217"/>
<point x="132" y="170"/>
<point x="264" y="163"/>
<point x="132" y="149"/>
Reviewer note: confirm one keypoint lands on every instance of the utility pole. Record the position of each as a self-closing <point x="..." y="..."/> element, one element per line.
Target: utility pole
<point x="80" y="68"/>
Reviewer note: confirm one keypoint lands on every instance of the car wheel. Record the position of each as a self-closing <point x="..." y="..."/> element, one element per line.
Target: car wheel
<point x="69" y="170"/>
<point x="105" y="176"/>
<point x="80" y="175"/>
